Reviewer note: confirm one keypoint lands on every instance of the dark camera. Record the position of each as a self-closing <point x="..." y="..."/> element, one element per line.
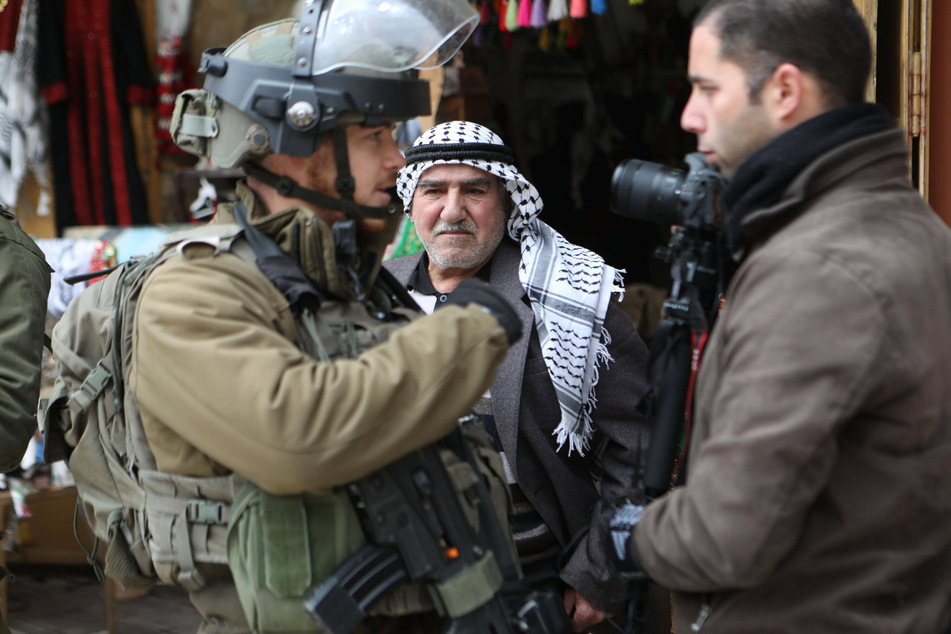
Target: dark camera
<point x="668" y="196"/>
<point x="699" y="271"/>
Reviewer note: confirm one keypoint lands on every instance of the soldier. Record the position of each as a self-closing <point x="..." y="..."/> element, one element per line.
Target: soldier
<point x="305" y="390"/>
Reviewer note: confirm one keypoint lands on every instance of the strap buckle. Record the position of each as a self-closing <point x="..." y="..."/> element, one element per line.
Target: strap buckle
<point x="206" y="512"/>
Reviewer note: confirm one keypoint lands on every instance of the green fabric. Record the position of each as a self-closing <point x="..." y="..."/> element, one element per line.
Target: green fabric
<point x="274" y="569"/>
<point x="407" y="241"/>
<point x="277" y="49"/>
<point x="465" y="592"/>
<point x="24" y="289"/>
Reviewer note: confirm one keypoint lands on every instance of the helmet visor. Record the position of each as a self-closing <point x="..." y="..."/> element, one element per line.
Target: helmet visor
<point x="392" y="35"/>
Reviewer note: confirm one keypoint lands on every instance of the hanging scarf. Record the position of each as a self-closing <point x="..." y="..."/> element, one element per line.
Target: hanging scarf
<point x="762" y="178"/>
<point x="23" y="119"/>
<point x="557" y="10"/>
<point x="539" y="16"/>
<point x="569" y="287"/>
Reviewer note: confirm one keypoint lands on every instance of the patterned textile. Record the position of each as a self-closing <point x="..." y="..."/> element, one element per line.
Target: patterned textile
<point x="172" y="20"/>
<point x="91" y="67"/>
<point x="569" y="286"/>
<point x="22" y="115"/>
<point x="68" y="257"/>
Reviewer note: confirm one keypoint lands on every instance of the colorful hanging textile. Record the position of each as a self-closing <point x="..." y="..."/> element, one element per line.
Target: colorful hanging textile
<point x="557" y="10"/>
<point x="91" y="67"/>
<point x="9" y="22"/>
<point x="544" y="40"/>
<point x="511" y="15"/>
<point x="23" y="126"/>
<point x="539" y="14"/>
<point x="172" y="20"/>
<point x="525" y="13"/>
<point x="579" y="8"/>
<point x="485" y="13"/>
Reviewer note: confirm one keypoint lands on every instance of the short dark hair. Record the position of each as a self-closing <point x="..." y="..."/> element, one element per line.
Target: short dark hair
<point x="825" y="38"/>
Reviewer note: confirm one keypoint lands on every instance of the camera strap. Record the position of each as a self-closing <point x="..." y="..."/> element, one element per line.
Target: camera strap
<point x="697" y="342"/>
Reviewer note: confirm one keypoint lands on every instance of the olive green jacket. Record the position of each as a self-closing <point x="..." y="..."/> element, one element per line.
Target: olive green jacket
<point x="24" y="289"/>
<point x="223" y="387"/>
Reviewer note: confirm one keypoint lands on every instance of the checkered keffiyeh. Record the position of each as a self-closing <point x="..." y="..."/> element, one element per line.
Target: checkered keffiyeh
<point x="569" y="286"/>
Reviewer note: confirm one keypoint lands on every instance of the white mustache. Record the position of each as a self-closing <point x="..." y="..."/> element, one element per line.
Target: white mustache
<point x="463" y="225"/>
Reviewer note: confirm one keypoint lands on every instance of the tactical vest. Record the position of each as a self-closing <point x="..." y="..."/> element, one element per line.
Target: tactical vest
<point x="281" y="547"/>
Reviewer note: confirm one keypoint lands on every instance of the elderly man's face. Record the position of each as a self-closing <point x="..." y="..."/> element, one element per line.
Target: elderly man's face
<point x="459" y="216"/>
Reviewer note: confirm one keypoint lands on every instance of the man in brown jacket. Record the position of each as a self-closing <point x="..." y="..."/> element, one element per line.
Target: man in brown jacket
<point x="301" y="394"/>
<point x="817" y="495"/>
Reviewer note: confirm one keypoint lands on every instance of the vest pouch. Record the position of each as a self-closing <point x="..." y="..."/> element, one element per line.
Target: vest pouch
<point x="280" y="547"/>
<point x="125" y="562"/>
<point x="186" y="521"/>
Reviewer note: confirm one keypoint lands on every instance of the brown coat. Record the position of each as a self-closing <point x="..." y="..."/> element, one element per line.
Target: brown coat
<point x="818" y="496"/>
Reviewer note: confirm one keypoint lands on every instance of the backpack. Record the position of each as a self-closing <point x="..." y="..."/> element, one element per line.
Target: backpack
<point x="157" y="525"/>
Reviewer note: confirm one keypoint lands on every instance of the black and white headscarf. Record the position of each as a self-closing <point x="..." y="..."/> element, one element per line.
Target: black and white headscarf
<point x="569" y="286"/>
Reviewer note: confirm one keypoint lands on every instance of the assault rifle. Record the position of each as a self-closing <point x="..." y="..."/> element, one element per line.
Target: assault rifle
<point x="418" y="532"/>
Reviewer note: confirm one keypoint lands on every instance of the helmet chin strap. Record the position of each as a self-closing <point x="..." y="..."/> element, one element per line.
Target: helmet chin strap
<point x="345" y="185"/>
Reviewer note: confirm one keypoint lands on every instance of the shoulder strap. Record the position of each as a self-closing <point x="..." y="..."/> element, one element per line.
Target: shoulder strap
<point x="282" y="271"/>
<point x="396" y="291"/>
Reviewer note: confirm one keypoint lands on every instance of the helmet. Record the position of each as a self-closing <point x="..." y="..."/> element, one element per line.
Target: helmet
<point x="283" y="86"/>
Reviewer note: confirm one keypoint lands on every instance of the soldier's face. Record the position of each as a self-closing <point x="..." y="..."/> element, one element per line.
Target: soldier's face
<point x="374" y="161"/>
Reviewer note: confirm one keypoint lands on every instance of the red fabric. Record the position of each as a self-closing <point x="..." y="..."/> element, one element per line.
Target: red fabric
<point x="9" y="23"/>
<point x="173" y="68"/>
<point x="91" y="73"/>
<point x="54" y="93"/>
<point x="139" y="96"/>
<point x="697" y="341"/>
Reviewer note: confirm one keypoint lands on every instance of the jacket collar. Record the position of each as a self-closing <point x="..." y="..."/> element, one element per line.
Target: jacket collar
<point x="306" y="238"/>
<point x="847" y="163"/>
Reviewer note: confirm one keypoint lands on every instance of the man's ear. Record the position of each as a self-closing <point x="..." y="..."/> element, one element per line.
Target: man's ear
<point x="783" y="92"/>
<point x="792" y="95"/>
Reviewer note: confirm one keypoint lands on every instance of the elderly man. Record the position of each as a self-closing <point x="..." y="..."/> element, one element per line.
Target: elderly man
<point x="562" y="407"/>
<point x="816" y="497"/>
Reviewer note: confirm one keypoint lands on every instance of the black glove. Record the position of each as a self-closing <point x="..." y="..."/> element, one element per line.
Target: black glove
<point x="472" y="290"/>
<point x="616" y="521"/>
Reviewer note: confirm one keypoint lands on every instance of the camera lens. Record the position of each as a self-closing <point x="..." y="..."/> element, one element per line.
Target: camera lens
<point x="647" y="191"/>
